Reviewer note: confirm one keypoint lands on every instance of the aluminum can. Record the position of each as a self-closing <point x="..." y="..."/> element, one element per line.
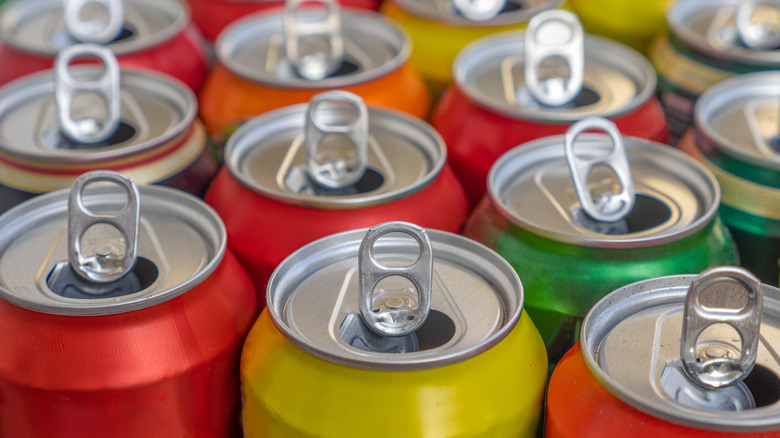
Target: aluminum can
<point x="736" y="137"/>
<point x="152" y="131"/>
<point x="634" y="24"/>
<point x="631" y="371"/>
<point x="538" y="217"/>
<point x="474" y="367"/>
<point x="489" y="108"/>
<point x="212" y="16"/>
<point x="440" y="29"/>
<point x="153" y="353"/>
<point x="267" y="173"/>
<point x="254" y="75"/>
<point x="706" y="44"/>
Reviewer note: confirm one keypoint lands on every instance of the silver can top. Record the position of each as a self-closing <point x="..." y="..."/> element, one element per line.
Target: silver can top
<point x="38" y="26"/>
<point x="632" y="341"/>
<point x="744" y="31"/>
<point x="740" y="117"/>
<point x="275" y="155"/>
<point x="180" y="242"/>
<point x="476" y="299"/>
<point x="258" y="47"/>
<point x="616" y="79"/>
<point x="674" y="195"/>
<point x="468" y="13"/>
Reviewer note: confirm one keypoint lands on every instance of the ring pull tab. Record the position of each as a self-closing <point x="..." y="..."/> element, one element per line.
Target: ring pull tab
<point x="112" y="258"/>
<point x="394" y="313"/>
<point x="100" y="30"/>
<point x="763" y="34"/>
<point x="67" y="87"/>
<point x="337" y="171"/>
<point x="610" y="207"/>
<point x="554" y="34"/>
<point x="314" y="46"/>
<point x="479" y="10"/>
<point x="712" y="366"/>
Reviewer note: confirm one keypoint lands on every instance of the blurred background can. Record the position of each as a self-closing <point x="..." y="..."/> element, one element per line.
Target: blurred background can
<point x="476" y="366"/>
<point x="272" y="204"/>
<point x="737" y="136"/>
<point x="628" y="372"/>
<point x="153" y="353"/>
<point x="152" y="34"/>
<point x="567" y="259"/>
<point x="706" y="44"/>
<point x="256" y="73"/>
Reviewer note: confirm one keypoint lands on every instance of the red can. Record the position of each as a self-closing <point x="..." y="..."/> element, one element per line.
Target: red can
<point x="152" y="34"/>
<point x="136" y="339"/>
<point x="282" y="188"/>
<point x="211" y="16"/>
<point x="500" y="97"/>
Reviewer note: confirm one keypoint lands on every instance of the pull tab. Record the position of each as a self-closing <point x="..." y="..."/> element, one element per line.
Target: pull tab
<point x="712" y="366"/>
<point x="111" y="259"/>
<point x="393" y="314"/>
<point x="763" y="34"/>
<point x="67" y="87"/>
<point x="337" y="171"/>
<point x="479" y="10"/>
<point x="314" y="46"/>
<point x="94" y="30"/>
<point x="609" y="207"/>
<point x="554" y="34"/>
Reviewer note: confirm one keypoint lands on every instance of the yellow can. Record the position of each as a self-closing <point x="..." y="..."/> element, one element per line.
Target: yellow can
<point x="633" y="23"/>
<point x="315" y="365"/>
<point x="439" y="30"/>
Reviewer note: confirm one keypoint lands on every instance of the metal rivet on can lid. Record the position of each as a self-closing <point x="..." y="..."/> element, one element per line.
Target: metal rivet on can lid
<point x="314" y="45"/>
<point x="479" y="10"/>
<point x="94" y="30"/>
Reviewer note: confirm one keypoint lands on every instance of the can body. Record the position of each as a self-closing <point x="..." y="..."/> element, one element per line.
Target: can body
<point x="632" y="24"/>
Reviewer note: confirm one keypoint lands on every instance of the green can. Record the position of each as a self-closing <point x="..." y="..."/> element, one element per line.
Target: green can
<point x="737" y="136"/>
<point x="576" y="226"/>
<point x="709" y="41"/>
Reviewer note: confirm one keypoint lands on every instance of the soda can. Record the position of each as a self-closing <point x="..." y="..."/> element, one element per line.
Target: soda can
<point x="151" y="34"/>
<point x="59" y="124"/>
<point x="510" y="89"/>
<point x="440" y="29"/>
<point x="707" y="43"/>
<point x="677" y="356"/>
<point x="736" y="136"/>
<point x="269" y="61"/>
<point x="212" y="16"/>
<point x="307" y="171"/>
<point x="582" y="214"/>
<point x="427" y="326"/>
<point x="122" y="313"/>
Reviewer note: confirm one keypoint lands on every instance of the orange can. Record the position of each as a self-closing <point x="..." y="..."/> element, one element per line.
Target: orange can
<point x="275" y="59"/>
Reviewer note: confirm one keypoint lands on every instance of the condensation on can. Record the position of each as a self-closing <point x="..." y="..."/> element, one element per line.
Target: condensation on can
<point x="480" y="366"/>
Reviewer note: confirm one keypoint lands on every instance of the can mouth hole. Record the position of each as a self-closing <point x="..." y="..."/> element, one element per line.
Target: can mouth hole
<point x="124" y="34"/>
<point x="648" y="213"/>
<point x="300" y="182"/>
<point x="54" y="139"/>
<point x="764" y="385"/>
<point x="65" y="282"/>
<point x="347" y="67"/>
<point x="437" y="330"/>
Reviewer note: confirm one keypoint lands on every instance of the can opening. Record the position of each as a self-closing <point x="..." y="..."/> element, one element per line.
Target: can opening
<point x="648" y="213"/>
<point x="764" y="385"/>
<point x="65" y="282"/>
<point x="124" y="34"/>
<point x="586" y="97"/>
<point x="299" y="181"/>
<point x="346" y="67"/>
<point x="437" y="330"/>
<point x="54" y="138"/>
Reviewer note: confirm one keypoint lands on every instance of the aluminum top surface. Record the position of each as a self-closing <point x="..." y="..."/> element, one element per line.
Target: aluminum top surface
<point x="514" y="11"/>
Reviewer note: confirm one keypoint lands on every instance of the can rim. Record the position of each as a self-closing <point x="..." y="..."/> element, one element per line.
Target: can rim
<point x="251" y="133"/>
<point x="239" y="32"/>
<point x="628" y="300"/>
<point x="346" y="243"/>
<point x="603" y="48"/>
<point x="516" y="17"/>
<point x="13" y="11"/>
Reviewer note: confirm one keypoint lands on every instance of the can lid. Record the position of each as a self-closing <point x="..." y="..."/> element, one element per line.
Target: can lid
<point x="466" y="13"/>
<point x="740" y="117"/>
<point x="745" y="31"/>
<point x="38" y="26"/>
<point x="675" y="195"/>
<point x="617" y="79"/>
<point x="153" y="110"/>
<point x="180" y="242"/>
<point x="476" y="300"/>
<point x="632" y="342"/>
<point x="254" y="48"/>
<point x="268" y="155"/>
